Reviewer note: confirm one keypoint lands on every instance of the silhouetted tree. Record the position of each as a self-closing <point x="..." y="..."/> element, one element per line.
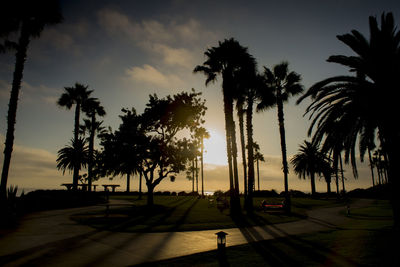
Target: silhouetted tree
<point x="73" y="155"/>
<point x="76" y="95"/>
<point x="92" y="108"/>
<point x="240" y="113"/>
<point x="163" y="119"/>
<point x="257" y="158"/>
<point x="25" y="19"/>
<point x="200" y="134"/>
<point x="123" y="149"/>
<point x="350" y="98"/>
<point x="309" y="161"/>
<point x="226" y="60"/>
<point x="283" y="84"/>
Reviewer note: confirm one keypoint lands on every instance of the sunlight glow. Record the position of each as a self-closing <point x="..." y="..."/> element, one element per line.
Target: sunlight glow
<point x="215" y="148"/>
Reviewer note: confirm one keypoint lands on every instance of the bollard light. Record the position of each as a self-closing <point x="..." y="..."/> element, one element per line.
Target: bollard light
<point x="221" y="240"/>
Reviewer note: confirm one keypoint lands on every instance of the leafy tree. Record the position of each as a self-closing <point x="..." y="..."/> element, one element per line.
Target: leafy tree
<point x="27" y="19"/>
<point x="282" y="84"/>
<point x="122" y="150"/>
<point x="350" y="98"/>
<point x="227" y="60"/>
<point x="163" y="119"/>
<point x="75" y="154"/>
<point x="77" y="95"/>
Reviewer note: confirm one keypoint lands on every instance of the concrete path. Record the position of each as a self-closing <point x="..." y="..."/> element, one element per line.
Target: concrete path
<point x="51" y="238"/>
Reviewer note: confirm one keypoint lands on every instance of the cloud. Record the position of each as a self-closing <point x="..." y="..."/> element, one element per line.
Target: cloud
<point x="33" y="168"/>
<point x="177" y="44"/>
<point x="64" y="37"/>
<point x="173" y="56"/>
<point x="150" y="75"/>
<point x="5" y="88"/>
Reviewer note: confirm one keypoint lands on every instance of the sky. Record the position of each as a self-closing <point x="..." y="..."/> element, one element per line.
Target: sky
<point x="126" y="50"/>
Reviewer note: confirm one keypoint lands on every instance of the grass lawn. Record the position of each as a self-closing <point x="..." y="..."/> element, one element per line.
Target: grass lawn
<point x="184" y="213"/>
<point x="367" y="240"/>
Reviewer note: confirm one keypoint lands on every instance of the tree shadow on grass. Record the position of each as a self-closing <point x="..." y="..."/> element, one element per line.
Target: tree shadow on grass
<point x="285" y="249"/>
<point x="150" y="218"/>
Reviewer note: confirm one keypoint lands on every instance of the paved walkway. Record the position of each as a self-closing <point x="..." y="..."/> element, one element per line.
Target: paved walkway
<point x="51" y="238"/>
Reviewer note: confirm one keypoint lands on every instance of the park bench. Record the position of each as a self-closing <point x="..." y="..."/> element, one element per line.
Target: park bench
<point x="113" y="186"/>
<point x="268" y="206"/>
<point x="83" y="187"/>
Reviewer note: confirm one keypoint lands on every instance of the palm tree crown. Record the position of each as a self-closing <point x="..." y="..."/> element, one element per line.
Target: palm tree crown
<point x="366" y="102"/>
<point x="280" y="84"/>
<point x="227" y="60"/>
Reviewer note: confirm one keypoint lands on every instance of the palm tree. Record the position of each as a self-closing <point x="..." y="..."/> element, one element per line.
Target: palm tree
<point x="27" y="19"/>
<point x="350" y="98"/>
<point x="76" y="95"/>
<point x="92" y="108"/>
<point x="73" y="155"/>
<point x="310" y="161"/>
<point x="283" y="84"/>
<point x="240" y="112"/>
<point x="258" y="157"/>
<point x="200" y="134"/>
<point x="93" y="128"/>
<point x="226" y="60"/>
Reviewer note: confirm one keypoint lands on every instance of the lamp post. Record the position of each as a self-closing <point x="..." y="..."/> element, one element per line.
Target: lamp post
<point x="221" y="240"/>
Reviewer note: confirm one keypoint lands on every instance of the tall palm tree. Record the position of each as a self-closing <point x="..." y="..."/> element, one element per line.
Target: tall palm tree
<point x="73" y="155"/>
<point x="283" y="84"/>
<point x="200" y="134"/>
<point x="258" y="157"/>
<point x="310" y="161"/>
<point x="226" y="60"/>
<point x="92" y="108"/>
<point x="27" y="19"/>
<point x="93" y="128"/>
<point x="240" y="113"/>
<point x="341" y="98"/>
<point x="76" y="95"/>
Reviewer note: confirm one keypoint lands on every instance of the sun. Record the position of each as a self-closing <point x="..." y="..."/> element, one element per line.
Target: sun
<point x="215" y="149"/>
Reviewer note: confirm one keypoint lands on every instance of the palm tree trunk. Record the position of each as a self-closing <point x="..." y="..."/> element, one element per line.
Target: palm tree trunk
<point x="202" y="167"/>
<point x="234" y="159"/>
<point x="372" y="167"/>
<point x="197" y="176"/>
<point x="337" y="182"/>
<point x="250" y="153"/>
<point x="91" y="152"/>
<point x="283" y="146"/>
<point x="379" y="175"/>
<point x="312" y="183"/>
<point x="140" y="184"/>
<point x="128" y="182"/>
<point x="75" y="177"/>
<point x="20" y="58"/>
<point x="228" y="145"/>
<point x="192" y="175"/>
<point x="341" y="171"/>
<point x="243" y="146"/>
<point x="258" y="174"/>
